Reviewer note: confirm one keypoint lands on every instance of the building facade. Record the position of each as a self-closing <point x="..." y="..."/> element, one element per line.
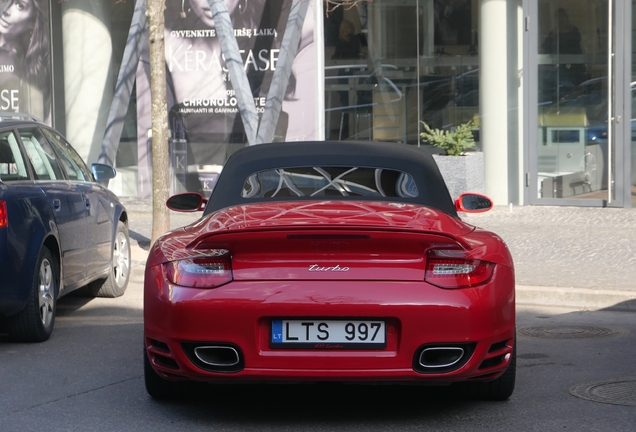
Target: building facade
<point x="549" y="81"/>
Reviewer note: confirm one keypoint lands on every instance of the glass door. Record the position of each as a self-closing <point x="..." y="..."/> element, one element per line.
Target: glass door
<point x="572" y="105"/>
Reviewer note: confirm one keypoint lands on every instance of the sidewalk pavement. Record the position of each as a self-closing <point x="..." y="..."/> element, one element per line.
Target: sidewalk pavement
<point x="576" y="257"/>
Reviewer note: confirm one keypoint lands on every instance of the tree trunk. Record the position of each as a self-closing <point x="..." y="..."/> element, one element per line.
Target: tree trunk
<point x="160" y="168"/>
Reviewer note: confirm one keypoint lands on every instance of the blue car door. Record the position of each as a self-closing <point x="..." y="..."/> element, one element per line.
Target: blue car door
<point x="66" y="200"/>
<point x="99" y="213"/>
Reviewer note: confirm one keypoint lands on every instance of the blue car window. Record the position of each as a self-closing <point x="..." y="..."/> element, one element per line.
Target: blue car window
<point x="73" y="164"/>
<point x="41" y="155"/>
<point x="73" y="171"/>
<point x="12" y="167"/>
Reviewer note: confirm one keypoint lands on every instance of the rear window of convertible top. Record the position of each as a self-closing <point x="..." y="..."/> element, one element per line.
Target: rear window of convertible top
<point x="329" y="182"/>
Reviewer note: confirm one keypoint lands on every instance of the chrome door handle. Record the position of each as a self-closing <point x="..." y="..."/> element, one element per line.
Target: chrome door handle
<point x="57" y="204"/>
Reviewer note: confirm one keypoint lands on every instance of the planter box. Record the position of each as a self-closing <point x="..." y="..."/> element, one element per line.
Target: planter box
<point x="462" y="173"/>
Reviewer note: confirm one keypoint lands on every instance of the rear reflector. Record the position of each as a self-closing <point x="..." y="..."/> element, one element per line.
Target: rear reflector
<point x="446" y="272"/>
<point x="4" y="220"/>
<point x="200" y="272"/>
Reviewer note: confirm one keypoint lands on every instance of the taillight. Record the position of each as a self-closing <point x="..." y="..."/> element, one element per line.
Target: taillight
<point x="4" y="219"/>
<point x="455" y="272"/>
<point x="200" y="272"/>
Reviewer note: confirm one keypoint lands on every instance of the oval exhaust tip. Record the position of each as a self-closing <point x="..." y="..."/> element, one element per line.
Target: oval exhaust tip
<point x="441" y="357"/>
<point x="217" y="356"/>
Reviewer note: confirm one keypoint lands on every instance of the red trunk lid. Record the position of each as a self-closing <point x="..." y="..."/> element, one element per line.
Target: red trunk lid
<point x="328" y="240"/>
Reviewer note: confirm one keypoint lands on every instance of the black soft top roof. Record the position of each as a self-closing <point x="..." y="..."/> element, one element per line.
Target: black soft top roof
<point x="400" y="157"/>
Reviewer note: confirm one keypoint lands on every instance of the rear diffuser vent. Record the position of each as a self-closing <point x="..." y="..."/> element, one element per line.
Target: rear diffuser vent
<point x="165" y="362"/>
<point x="492" y="362"/>
<point x="160" y="346"/>
<point x="498" y="346"/>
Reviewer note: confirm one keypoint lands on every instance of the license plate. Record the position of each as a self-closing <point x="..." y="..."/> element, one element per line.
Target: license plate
<point x="328" y="334"/>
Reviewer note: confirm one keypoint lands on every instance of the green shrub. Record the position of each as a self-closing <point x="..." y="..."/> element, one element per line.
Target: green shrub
<point x="456" y="141"/>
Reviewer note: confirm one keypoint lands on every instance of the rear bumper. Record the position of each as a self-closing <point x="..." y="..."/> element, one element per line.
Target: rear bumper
<point x="239" y="315"/>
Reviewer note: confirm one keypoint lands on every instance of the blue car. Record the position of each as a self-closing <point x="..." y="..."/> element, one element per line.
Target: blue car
<point x="60" y="229"/>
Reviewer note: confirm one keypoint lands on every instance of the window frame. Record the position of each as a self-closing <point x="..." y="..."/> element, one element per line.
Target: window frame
<point x="25" y="161"/>
<point x="63" y="148"/>
<point x="35" y="175"/>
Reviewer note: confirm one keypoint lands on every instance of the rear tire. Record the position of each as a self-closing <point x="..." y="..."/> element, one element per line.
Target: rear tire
<point x="35" y="322"/>
<point x="117" y="281"/>
<point x="499" y="389"/>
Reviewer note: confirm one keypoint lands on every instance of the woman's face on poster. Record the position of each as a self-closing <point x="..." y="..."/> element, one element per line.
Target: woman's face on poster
<point x="17" y="17"/>
<point x="202" y="9"/>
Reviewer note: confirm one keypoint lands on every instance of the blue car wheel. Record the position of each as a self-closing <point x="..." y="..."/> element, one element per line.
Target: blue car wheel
<point x="35" y="322"/>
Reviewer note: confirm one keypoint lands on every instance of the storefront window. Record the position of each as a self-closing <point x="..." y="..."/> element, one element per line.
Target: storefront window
<point x="390" y="65"/>
<point x="572" y="146"/>
<point x="205" y="122"/>
<point x="121" y="17"/>
<point x="25" y="61"/>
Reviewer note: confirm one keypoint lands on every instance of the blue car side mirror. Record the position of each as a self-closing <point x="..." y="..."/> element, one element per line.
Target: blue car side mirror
<point x="103" y="172"/>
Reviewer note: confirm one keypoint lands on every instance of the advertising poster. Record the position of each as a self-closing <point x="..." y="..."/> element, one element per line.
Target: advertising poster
<point x="25" y="64"/>
<point x="203" y="111"/>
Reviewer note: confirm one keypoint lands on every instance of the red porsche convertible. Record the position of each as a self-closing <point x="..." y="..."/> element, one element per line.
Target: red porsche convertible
<point x="330" y="261"/>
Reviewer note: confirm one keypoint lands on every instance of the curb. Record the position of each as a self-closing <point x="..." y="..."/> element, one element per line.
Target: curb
<point x="137" y="272"/>
<point x="577" y="298"/>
